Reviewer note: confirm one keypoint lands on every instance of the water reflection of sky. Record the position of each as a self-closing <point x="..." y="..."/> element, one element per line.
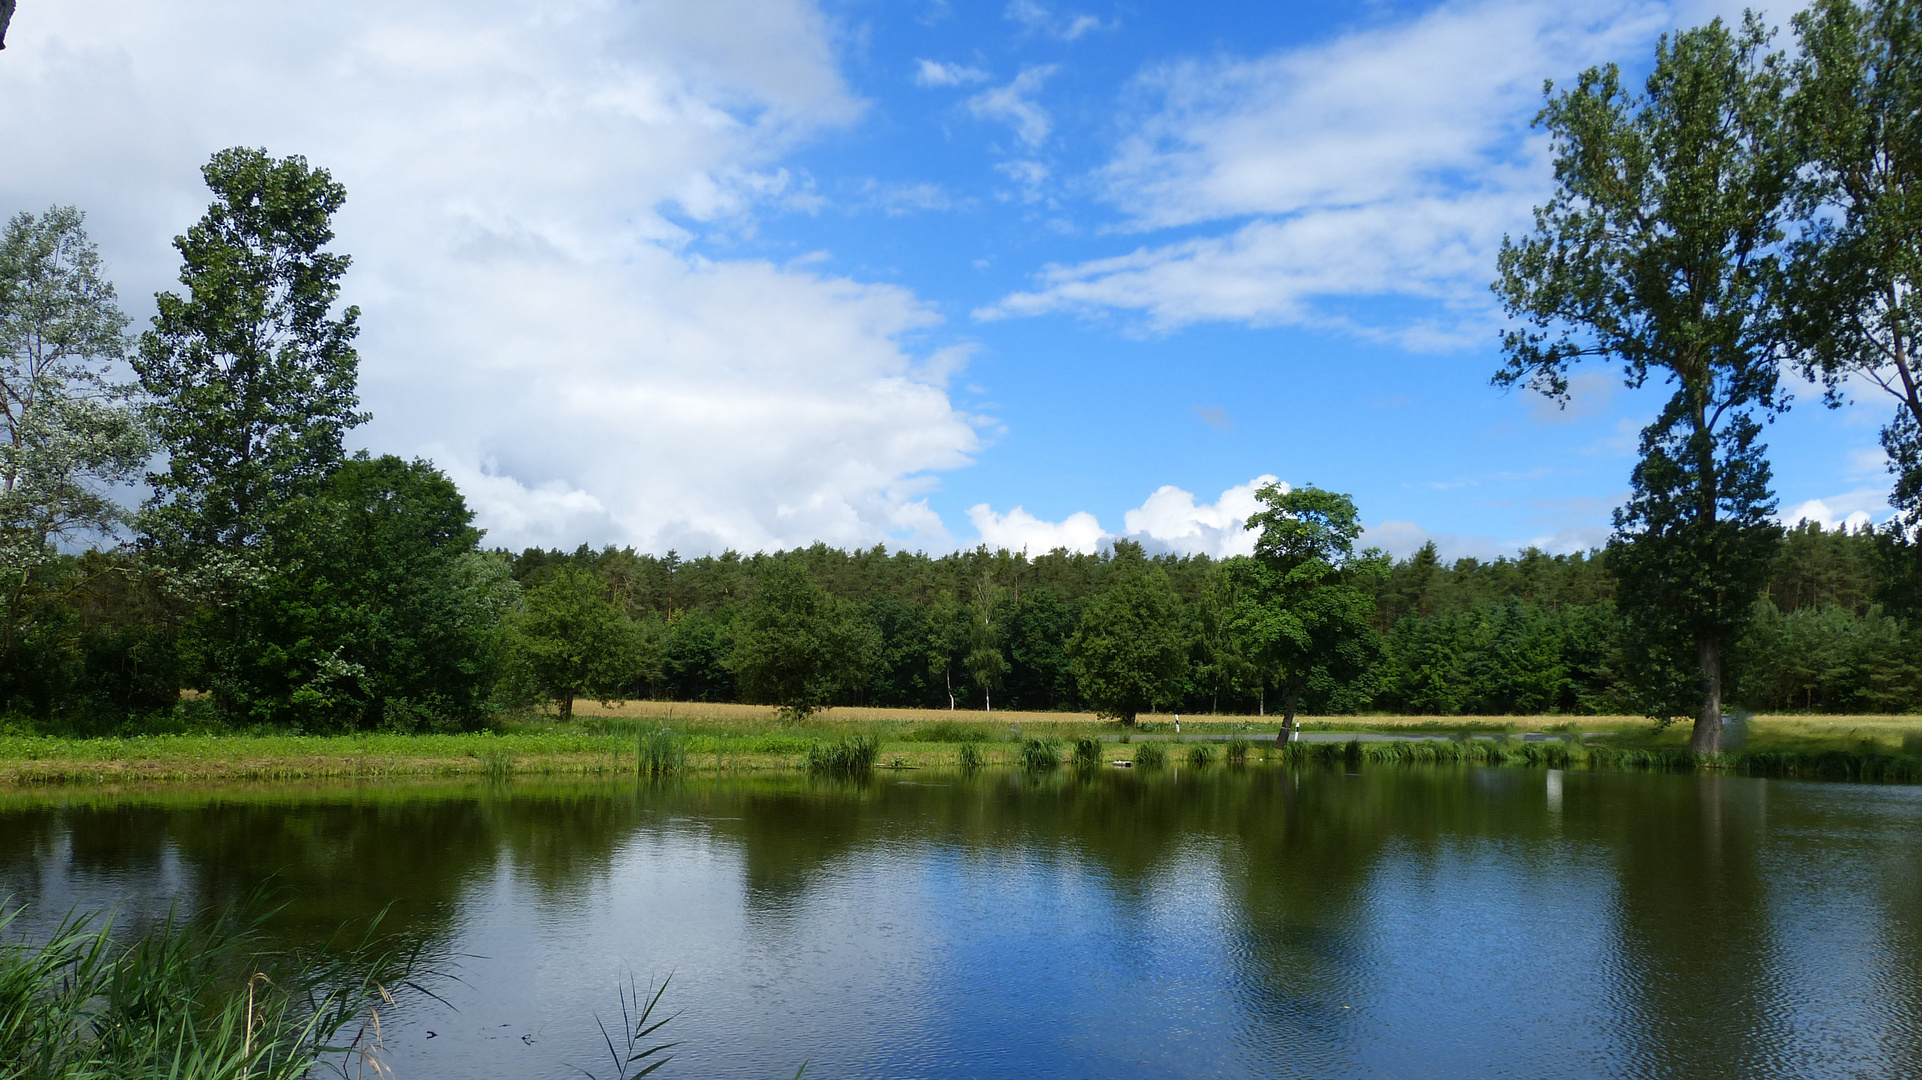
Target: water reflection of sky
<point x="1393" y="923"/>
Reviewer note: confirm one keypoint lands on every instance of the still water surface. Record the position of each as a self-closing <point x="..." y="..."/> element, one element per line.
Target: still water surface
<point x="1395" y="923"/>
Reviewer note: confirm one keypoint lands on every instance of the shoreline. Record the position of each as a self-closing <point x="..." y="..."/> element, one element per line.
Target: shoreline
<point x="1880" y="748"/>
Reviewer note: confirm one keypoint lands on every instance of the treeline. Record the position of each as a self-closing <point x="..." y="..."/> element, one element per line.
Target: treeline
<point x="1531" y="634"/>
<point x="1745" y="213"/>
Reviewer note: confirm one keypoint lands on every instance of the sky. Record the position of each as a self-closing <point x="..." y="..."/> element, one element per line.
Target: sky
<point x="753" y="274"/>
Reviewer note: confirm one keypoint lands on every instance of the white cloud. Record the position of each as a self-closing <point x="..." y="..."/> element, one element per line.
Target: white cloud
<point x="1013" y="105"/>
<point x="1170" y="520"/>
<point x="1036" y="18"/>
<point x="1030" y="175"/>
<point x="533" y="319"/>
<point x="1388" y="162"/>
<point x="1018" y="530"/>
<point x="1167" y="521"/>
<point x="937" y="73"/>
<point x="1852" y="510"/>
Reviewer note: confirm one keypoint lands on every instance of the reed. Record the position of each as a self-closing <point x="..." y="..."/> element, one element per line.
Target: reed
<point x="195" y="998"/>
<point x="1151" y="755"/>
<point x="849" y="756"/>
<point x="497" y="765"/>
<point x="1237" y="753"/>
<point x="1201" y="755"/>
<point x="970" y="757"/>
<point x="1040" y="754"/>
<point x="1087" y="751"/>
<point x="661" y="752"/>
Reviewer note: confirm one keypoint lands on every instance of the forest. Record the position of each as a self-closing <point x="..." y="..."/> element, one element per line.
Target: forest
<point x="187" y="544"/>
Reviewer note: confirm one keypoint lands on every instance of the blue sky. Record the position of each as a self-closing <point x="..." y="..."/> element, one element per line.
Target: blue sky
<point x="753" y="273"/>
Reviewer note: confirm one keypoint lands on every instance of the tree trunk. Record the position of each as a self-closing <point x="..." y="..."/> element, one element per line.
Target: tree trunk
<point x="1707" y="737"/>
<point x="567" y="707"/>
<point x="1288" y="734"/>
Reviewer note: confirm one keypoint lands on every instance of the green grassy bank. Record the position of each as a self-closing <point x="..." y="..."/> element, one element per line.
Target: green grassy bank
<point x="625" y="740"/>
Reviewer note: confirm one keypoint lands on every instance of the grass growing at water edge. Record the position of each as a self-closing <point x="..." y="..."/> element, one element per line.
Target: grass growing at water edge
<point x="189" y="1000"/>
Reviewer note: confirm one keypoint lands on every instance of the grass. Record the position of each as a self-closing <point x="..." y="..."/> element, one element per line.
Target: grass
<point x="1201" y="755"/>
<point x="661" y="752"/>
<point x="1040" y="754"/>
<point x="849" y="756"/>
<point x="1151" y="755"/>
<point x="1087" y="751"/>
<point x="189" y="999"/>
<point x="727" y="739"/>
<point x="1237" y="752"/>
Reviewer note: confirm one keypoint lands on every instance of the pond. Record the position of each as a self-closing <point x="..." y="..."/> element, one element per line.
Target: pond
<point x="1402" y="922"/>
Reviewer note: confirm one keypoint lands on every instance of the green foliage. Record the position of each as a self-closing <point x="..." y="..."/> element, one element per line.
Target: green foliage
<point x="1857" y="113"/>
<point x="1660" y="250"/>
<point x="799" y="648"/>
<point x="252" y="382"/>
<point x="1151" y="755"/>
<point x="1308" y="621"/>
<point x="568" y="640"/>
<point x="1130" y="651"/>
<point x="1201" y="755"/>
<point x="969" y="757"/>
<point x="68" y="433"/>
<point x="383" y="613"/>
<point x="1826" y="658"/>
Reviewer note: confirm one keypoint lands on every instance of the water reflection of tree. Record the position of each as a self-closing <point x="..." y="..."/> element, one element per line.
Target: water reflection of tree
<point x="1694" y="993"/>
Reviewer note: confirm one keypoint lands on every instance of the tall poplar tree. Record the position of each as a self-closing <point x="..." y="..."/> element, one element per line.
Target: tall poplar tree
<point x="1659" y="252"/>
<point x="1858" y="111"/>
<point x="251" y="374"/>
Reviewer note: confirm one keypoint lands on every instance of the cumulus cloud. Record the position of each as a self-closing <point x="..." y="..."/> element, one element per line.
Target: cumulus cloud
<point x="937" y="73"/>
<point x="1170" y="520"/>
<point x="1167" y="521"/>
<point x="1015" y="106"/>
<point x="1018" y="530"/>
<point x="524" y="181"/>
<point x="1851" y="511"/>
<point x="1387" y="163"/>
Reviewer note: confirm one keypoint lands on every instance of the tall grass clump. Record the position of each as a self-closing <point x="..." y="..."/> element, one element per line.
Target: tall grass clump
<point x="970" y="757"/>
<point x="850" y="756"/>
<point x="1151" y="755"/>
<point x="497" y="765"/>
<point x="661" y="752"/>
<point x="1237" y="753"/>
<point x="1087" y="751"/>
<point x="1201" y="755"/>
<point x="189" y="1000"/>
<point x="1040" y="754"/>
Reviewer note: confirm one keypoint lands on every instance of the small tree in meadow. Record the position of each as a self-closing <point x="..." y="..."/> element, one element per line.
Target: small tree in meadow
<point x="568" y="640"/>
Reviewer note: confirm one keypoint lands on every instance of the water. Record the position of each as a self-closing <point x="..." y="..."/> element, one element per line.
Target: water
<point x="1394" y="923"/>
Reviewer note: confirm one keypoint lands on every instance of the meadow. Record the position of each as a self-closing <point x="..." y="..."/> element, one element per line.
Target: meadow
<point x="616" y="739"/>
